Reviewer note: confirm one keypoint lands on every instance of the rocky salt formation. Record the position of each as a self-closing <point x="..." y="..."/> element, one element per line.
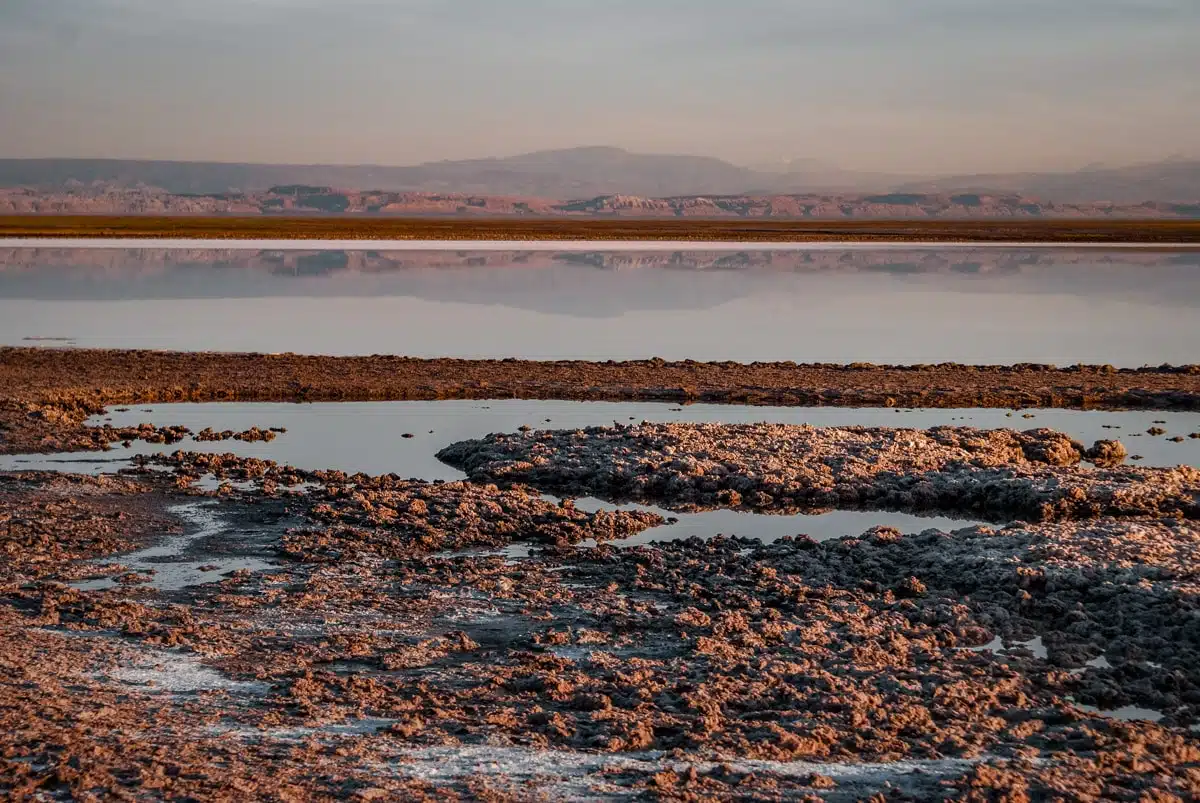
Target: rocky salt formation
<point x="397" y="518"/>
<point x="50" y="522"/>
<point x="387" y="652"/>
<point x="373" y="656"/>
<point x="61" y="427"/>
<point x="392" y="517"/>
<point x="252" y="435"/>
<point x="1002" y="474"/>
<point x="1123" y="589"/>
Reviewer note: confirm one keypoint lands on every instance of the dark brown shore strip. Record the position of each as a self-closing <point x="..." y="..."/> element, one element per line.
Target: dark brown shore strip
<point x="685" y="229"/>
<point x="70" y="383"/>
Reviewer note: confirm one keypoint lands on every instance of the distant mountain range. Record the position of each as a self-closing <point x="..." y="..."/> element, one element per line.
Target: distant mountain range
<point x="594" y="180"/>
<point x="1173" y="180"/>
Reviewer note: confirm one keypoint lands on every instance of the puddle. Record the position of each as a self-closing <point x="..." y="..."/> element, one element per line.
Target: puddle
<point x="170" y="573"/>
<point x="211" y="483"/>
<point x="1035" y="646"/>
<point x="768" y="528"/>
<point x="369" y="437"/>
<point x="179" y="673"/>
<point x="574" y="653"/>
<point x="996" y="645"/>
<point x="514" y="553"/>
<point x="356" y="727"/>
<point x="1128" y="713"/>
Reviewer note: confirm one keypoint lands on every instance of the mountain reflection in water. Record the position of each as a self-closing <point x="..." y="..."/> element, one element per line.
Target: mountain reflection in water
<point x="1125" y="307"/>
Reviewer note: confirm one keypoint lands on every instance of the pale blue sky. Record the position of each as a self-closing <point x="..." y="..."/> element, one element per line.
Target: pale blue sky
<point x="899" y="85"/>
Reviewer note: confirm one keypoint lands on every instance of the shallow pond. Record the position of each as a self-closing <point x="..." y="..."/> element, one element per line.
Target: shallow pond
<point x="369" y="437"/>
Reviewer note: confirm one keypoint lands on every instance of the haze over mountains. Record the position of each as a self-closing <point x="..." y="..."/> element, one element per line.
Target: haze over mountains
<point x="558" y="174"/>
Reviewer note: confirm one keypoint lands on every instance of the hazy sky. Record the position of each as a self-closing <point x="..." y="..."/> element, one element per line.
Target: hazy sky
<point x="901" y="85"/>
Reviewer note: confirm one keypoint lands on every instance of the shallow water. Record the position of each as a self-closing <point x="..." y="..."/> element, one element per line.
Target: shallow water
<point x="170" y="569"/>
<point x="368" y="436"/>
<point x="767" y="528"/>
<point x="901" y="304"/>
<point x="1127" y="713"/>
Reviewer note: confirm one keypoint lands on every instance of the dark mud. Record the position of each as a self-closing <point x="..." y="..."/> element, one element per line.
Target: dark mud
<point x="396" y="648"/>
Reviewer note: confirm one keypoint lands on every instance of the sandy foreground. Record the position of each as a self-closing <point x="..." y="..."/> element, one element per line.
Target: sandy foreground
<point x="217" y="627"/>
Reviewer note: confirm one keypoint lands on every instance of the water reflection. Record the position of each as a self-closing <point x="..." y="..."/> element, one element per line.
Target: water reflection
<point x="817" y="525"/>
<point x="1125" y="307"/>
<point x="369" y="436"/>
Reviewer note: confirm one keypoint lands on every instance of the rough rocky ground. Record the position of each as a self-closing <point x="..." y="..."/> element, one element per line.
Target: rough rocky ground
<point x="996" y="474"/>
<point x="413" y="640"/>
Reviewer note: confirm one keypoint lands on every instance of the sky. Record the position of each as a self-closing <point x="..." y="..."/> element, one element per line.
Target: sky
<point x="904" y="86"/>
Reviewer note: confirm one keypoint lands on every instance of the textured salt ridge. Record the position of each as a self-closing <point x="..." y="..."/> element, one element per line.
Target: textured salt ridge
<point x="996" y="474"/>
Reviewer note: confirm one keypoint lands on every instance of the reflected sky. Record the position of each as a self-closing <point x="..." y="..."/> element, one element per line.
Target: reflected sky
<point x="892" y="305"/>
<point x="369" y="436"/>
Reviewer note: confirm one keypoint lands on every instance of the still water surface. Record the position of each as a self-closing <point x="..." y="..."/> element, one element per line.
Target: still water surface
<point x="1124" y="307"/>
<point x="369" y="437"/>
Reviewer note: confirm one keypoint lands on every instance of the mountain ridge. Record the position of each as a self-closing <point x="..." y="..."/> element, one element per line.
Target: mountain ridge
<point x="595" y="171"/>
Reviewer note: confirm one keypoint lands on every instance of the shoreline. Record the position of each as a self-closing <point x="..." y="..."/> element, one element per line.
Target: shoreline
<point x="46" y="394"/>
<point x="304" y="244"/>
<point x="615" y="232"/>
